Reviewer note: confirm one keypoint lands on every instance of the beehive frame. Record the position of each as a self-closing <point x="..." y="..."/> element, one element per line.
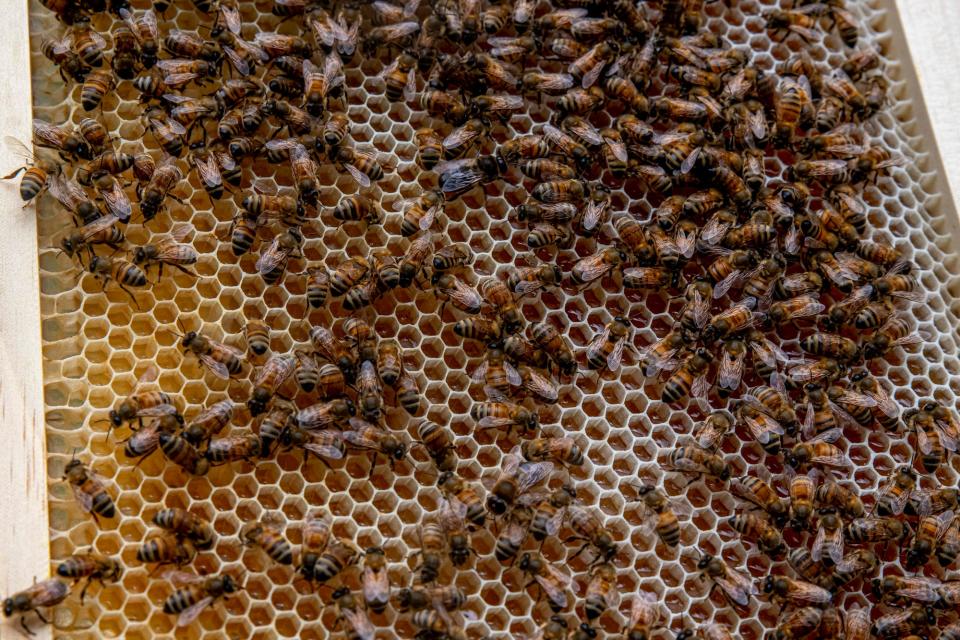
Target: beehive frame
<point x="24" y="522"/>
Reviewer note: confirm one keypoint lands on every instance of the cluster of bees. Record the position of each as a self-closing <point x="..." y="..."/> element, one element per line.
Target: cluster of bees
<point x="689" y="121"/>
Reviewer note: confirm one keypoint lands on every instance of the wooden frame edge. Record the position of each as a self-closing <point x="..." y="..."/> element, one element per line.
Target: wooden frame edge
<point x="24" y="532"/>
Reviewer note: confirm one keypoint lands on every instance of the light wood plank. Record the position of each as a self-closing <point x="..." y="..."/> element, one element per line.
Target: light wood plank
<point x="24" y="536"/>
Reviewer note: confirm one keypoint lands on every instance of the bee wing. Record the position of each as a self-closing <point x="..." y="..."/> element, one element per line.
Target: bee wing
<point x="209" y="170"/>
<point x="279" y="367"/>
<point x="459" y="137"/>
<point x="757" y="122"/>
<point x="726" y="284"/>
<point x="791" y="243"/>
<point x="272" y="258"/>
<point x="360" y="623"/>
<point x="480" y="373"/>
<point x="700" y="387"/>
<point x="491" y="422"/>
<point x="616" y="355"/>
<point x="690" y="161"/>
<point x="465" y="295"/>
<point x="237" y="61"/>
<point x="47" y="133"/>
<point x="231" y="16"/>
<point x="513" y="376"/>
<point x="541" y="386"/>
<point x="593" y="214"/>
<point x="924" y="442"/>
<point x="594" y="349"/>
<point x="919" y="589"/>
<point x="556" y="587"/>
<point x="157" y="411"/>
<point x="325" y="30"/>
<point x="591" y="267"/>
<point x="686" y="242"/>
<point x="67" y="192"/>
<point x="856" y="399"/>
<point x="177" y="80"/>
<point x="586" y="131"/>
<point x="191" y="613"/>
<point x="362" y="178"/>
<point x="737" y="587"/>
<point x="828" y="545"/>
<point x="731" y="370"/>
<point x="831" y="457"/>
<point x="618" y="149"/>
<point x="643" y="609"/>
<point x="531" y="474"/>
<point x="850" y="202"/>
<point x="217" y="368"/>
<point x="376" y="585"/>
<point x="180" y="231"/>
<point x="18" y="148"/>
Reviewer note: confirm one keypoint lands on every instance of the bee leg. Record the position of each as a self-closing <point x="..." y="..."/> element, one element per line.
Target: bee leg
<point x="83" y="592"/>
<point x="23" y="623"/>
<point x="130" y="293"/>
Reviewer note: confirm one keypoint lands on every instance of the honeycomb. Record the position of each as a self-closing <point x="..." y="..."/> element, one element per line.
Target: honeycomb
<point x="96" y="345"/>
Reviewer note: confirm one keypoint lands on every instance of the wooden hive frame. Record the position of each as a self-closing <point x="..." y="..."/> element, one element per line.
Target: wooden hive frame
<point x="921" y="43"/>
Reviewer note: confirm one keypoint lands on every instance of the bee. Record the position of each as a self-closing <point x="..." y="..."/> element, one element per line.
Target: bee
<point x="548" y="338"/>
<point x="758" y="529"/>
<point x="223" y="360"/>
<point x="96" y="85"/>
<point x="179" y="451"/>
<point x="668" y="524"/>
<point x="828" y="543"/>
<point x="459" y="177"/>
<point x="874" y="529"/>
<point x="303" y="169"/>
<point x="515" y="478"/>
<point x="764" y="429"/>
<point x="497" y="294"/>
<point x="272" y="263"/>
<point x="141" y="404"/>
<point x="444" y="104"/>
<point x="693" y="459"/>
<point x="800" y="623"/>
<point x="948" y="546"/>
<point x="450" y="288"/>
<point x="337" y="555"/>
<point x="169" y="251"/>
<point x="840" y="498"/>
<point x="929" y="531"/>
<point x="59" y="137"/>
<point x="932" y="442"/>
<point x="584" y="101"/>
<point x="165" y="551"/>
<point x="268" y="537"/>
<point x="601" y="591"/>
<point x="819" y="450"/>
<point x="47" y="593"/>
<point x="527" y="280"/>
<point x="233" y="449"/>
<point x="145" y="28"/>
<point x="89" y="489"/>
<point x="896" y="493"/>
<point x="543" y="235"/>
<point x="727" y="270"/>
<point x="689" y="379"/>
<point x="365" y="436"/>
<point x="736" y="587"/>
<point x="195" y="593"/>
<point x="760" y="493"/>
<point x="902" y="623"/>
<point x="209" y="422"/>
<point x="318" y="83"/>
<point x="551" y="580"/>
<point x="895" y="332"/>
<point x="322" y="415"/>
<point x="419" y="250"/>
<point x="318" y="286"/>
<point x="348" y="610"/>
<point x="69" y="62"/>
<point x="893" y="588"/>
<point x="91" y="566"/>
<point x="163" y="180"/>
<point x="606" y="349"/>
<point x="925" y="502"/>
<point x="438" y="441"/>
<point x="562" y="450"/>
<point x="547" y="516"/>
<point x="594" y="267"/>
<point x="796" y="592"/>
<point x="358" y="207"/>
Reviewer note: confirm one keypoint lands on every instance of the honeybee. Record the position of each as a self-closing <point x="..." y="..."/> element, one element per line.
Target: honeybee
<point x="563" y="450"/>
<point x="146" y="440"/>
<point x="195" y="593"/>
<point x="89" y="489"/>
<point x="689" y="379"/>
<point x="693" y="459"/>
<point x="932" y="441"/>
<point x="209" y="422"/>
<point x="319" y="83"/>
<point x="736" y="587"/>
<point x="606" y="349"/>
<point x="154" y="192"/>
<point x="925" y="502"/>
<point x="144" y="27"/>
<point x="337" y="555"/>
<point x="459" y="177"/>
<point x="841" y="498"/>
<point x="458" y="490"/>
<point x="589" y="528"/>
<point x="268" y="536"/>
<point x="758" y="529"/>
<point x="234" y="448"/>
<point x="365" y="436"/>
<point x="948" y="547"/>
<point x="552" y="581"/>
<point x="796" y="592"/>
<point x="61" y="53"/>
<point x="548" y="512"/>
<point x="91" y="566"/>
<point x="819" y="450"/>
<point x="929" y="531"/>
<point x="527" y="280"/>
<point x="828" y="543"/>
<point x="302" y="166"/>
<point x="764" y="429"/>
<point x="874" y="529"/>
<point x="35" y="173"/>
<point x="760" y="493"/>
<point x="549" y="339"/>
<point x="594" y="267"/>
<point x="47" y="593"/>
<point x="668" y="524"/>
<point x="438" y="441"/>
<point x="272" y="263"/>
<point x="601" y="593"/>
<point x="901" y="589"/>
<point x="223" y="360"/>
<point x="416" y="254"/>
<point x="348" y="610"/>
<point x="170" y="251"/>
<point x="141" y="404"/>
<point x="902" y="624"/>
<point x="896" y="493"/>
<point x="515" y="478"/>
<point x="165" y="551"/>
<point x="59" y="137"/>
